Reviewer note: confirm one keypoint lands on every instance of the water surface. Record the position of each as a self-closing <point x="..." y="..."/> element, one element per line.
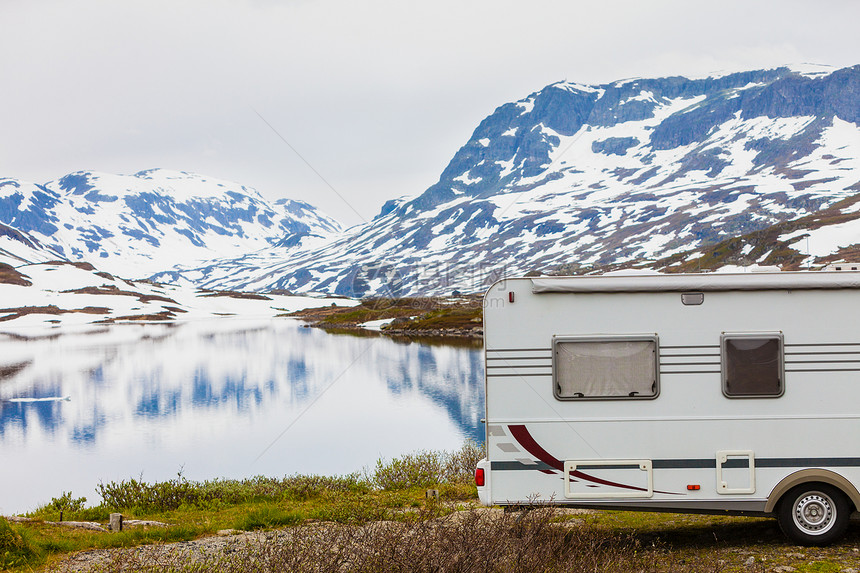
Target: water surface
<point x="221" y="398"/>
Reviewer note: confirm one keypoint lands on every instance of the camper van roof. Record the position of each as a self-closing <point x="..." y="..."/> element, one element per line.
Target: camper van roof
<point x="699" y="282"/>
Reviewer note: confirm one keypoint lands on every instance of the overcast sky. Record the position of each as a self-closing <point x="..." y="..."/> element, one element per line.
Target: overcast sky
<point x="376" y="96"/>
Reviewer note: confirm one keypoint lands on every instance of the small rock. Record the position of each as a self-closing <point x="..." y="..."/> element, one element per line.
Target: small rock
<point x="796" y="555"/>
<point x="849" y="570"/>
<point x="143" y="523"/>
<point x="749" y="560"/>
<point x="783" y="569"/>
<point x="17" y="519"/>
<point x="91" y="525"/>
<point x="228" y="532"/>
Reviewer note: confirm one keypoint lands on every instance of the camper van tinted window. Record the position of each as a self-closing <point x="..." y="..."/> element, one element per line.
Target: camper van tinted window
<point x="604" y="368"/>
<point x="752" y="365"/>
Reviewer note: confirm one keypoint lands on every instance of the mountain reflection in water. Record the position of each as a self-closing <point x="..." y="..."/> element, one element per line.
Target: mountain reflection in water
<point x="222" y="398"/>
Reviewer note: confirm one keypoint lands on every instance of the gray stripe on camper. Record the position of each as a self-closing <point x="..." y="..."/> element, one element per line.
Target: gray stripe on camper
<point x="705" y="463"/>
<point x="538" y="466"/>
<point x="518" y="366"/>
<point x="508" y="447"/>
<point x="797" y="462"/>
<point x="689" y="371"/>
<point x="517" y="374"/>
<point x="496" y="431"/>
<point x="506" y="358"/>
<point x="690" y="464"/>
<point x="612" y="467"/>
<point x="759" y="463"/>
<point x="822" y="369"/>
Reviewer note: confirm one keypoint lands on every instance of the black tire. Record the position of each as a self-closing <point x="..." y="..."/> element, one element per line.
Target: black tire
<point x="814" y="514"/>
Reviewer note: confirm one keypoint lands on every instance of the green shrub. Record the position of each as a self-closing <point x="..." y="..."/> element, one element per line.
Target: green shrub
<point x="426" y="468"/>
<point x="420" y="469"/>
<point x="460" y="465"/>
<point x="15" y="549"/>
<point x="267" y="517"/>
<point x="179" y="492"/>
<point x="352" y="511"/>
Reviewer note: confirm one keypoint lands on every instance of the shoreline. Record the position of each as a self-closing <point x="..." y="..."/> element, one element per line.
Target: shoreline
<point x="411" y="318"/>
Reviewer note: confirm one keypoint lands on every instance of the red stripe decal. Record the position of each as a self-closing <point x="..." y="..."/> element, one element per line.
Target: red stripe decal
<point x="522" y="435"/>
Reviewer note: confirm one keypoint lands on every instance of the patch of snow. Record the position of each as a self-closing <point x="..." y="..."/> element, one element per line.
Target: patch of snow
<point x="527" y="105"/>
<point x="467" y="179"/>
<point x="755" y="268"/>
<point x="507" y="167"/>
<point x="827" y="240"/>
<point x="789" y="236"/>
<point x="376" y="324"/>
<point x="810" y="70"/>
<point x="53" y="285"/>
<point x="642" y="96"/>
<point x="579" y="88"/>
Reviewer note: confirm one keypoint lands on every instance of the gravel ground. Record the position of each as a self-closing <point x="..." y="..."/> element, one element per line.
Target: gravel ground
<point x="694" y="546"/>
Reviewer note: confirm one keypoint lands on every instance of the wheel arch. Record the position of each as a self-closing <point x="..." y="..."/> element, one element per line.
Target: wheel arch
<point x="812" y="475"/>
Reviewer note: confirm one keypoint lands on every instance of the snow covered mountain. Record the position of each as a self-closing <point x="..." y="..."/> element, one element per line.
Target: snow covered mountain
<point x="582" y="175"/>
<point x="18" y="247"/>
<point x="137" y="225"/>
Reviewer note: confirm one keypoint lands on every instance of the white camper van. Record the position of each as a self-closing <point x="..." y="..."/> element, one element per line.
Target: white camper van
<point x="721" y="393"/>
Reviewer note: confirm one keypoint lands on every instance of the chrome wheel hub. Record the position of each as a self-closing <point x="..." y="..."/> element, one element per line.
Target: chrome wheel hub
<point x="814" y="513"/>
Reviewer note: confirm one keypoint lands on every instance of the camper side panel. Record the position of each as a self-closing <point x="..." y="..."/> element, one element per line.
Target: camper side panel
<point x="688" y="445"/>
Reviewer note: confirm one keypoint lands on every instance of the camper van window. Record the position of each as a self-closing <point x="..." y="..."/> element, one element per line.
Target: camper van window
<point x="752" y="365"/>
<point x="605" y="368"/>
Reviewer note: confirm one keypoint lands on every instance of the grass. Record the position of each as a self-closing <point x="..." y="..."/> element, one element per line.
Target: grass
<point x="412" y="315"/>
<point x="268" y="517"/>
<point x="444" y="319"/>
<point x="16" y="548"/>
<point x="194" y="509"/>
<point x="381" y="521"/>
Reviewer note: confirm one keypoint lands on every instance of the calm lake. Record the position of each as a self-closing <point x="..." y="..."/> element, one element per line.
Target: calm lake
<point x="221" y="398"/>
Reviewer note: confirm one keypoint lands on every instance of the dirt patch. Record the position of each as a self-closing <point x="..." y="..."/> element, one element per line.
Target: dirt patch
<point x="113" y="290"/>
<point x="81" y="265"/>
<point x="14" y="313"/>
<point x="10" y="276"/>
<point x="236" y="294"/>
<point x="162" y="316"/>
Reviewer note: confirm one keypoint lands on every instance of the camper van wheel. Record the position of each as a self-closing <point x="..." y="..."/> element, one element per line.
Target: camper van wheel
<point x="814" y="514"/>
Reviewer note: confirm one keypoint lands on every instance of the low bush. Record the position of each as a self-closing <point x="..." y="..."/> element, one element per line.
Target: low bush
<point x="267" y="517"/>
<point x="136" y="494"/>
<point x="415" y="470"/>
<point x="420" y="469"/>
<point x="468" y="541"/>
<point x="15" y="547"/>
<point x="426" y="468"/>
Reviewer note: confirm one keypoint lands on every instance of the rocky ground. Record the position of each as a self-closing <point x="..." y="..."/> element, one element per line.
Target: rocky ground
<point x="489" y="539"/>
